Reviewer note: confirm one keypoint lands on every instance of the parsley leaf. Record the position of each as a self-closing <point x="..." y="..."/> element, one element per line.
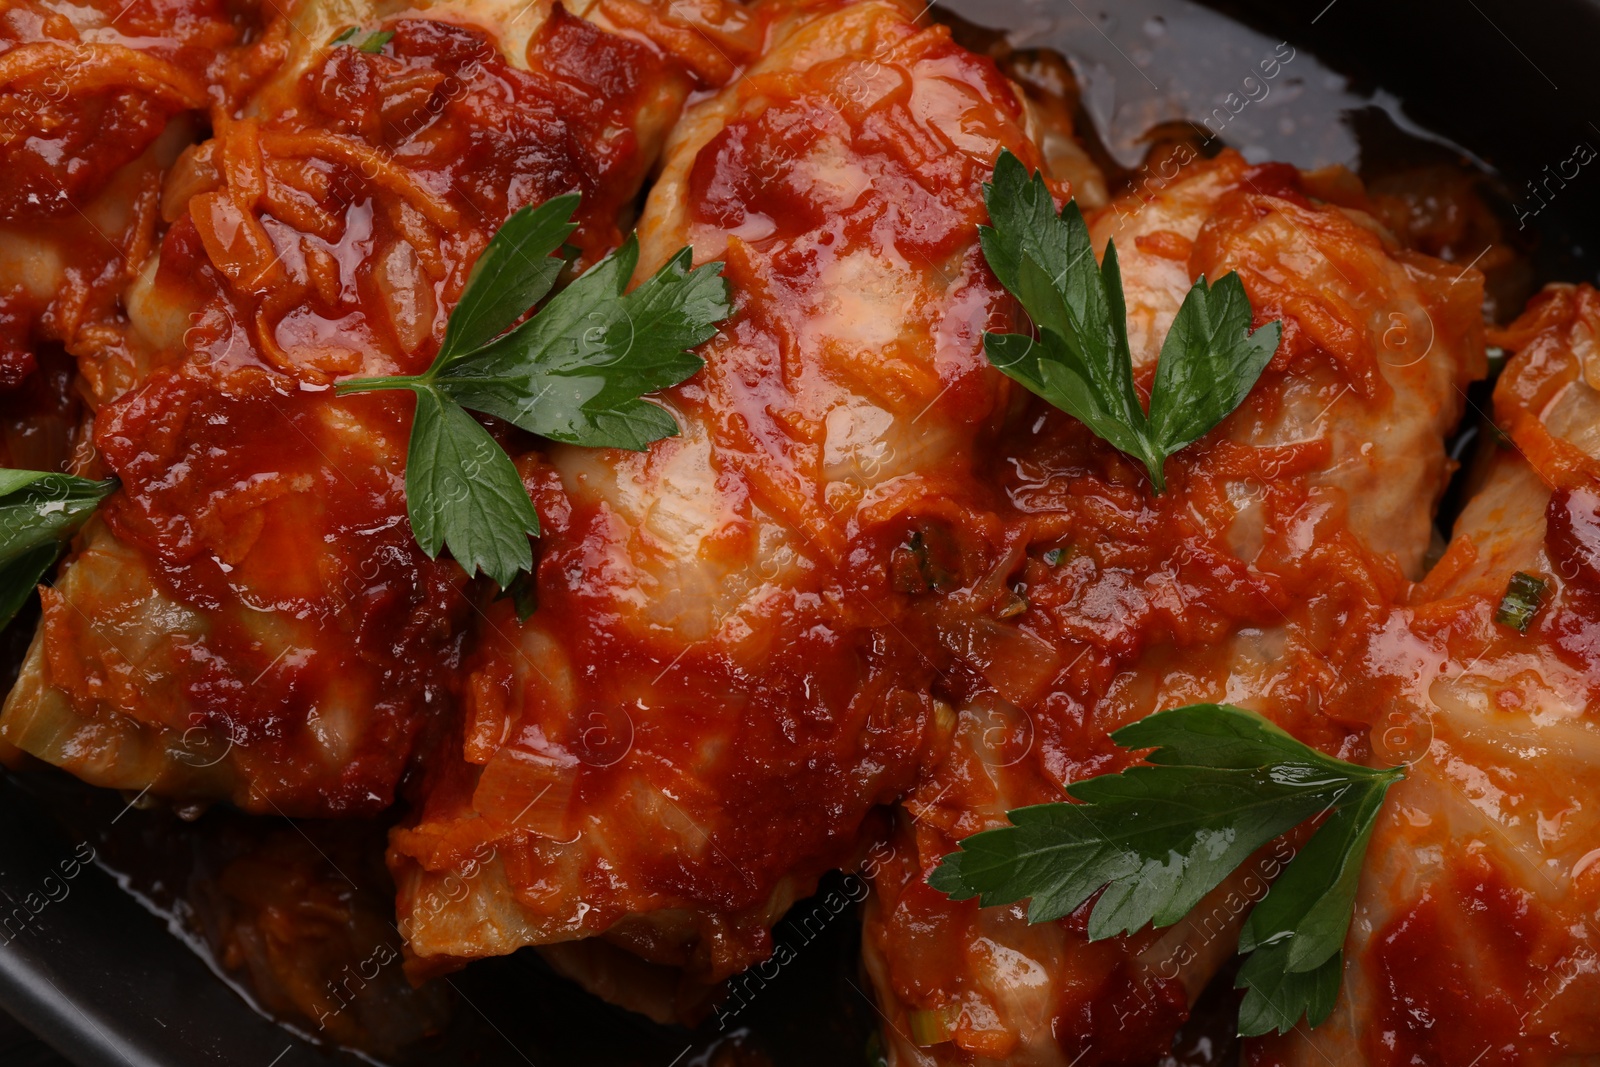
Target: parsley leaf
<point x="576" y="371"/>
<point x="375" y="42"/>
<point x="1524" y="597"/>
<point x="39" y="511"/>
<point x="372" y="44"/>
<point x="514" y="272"/>
<point x="524" y="594"/>
<point x="462" y="490"/>
<point x="1276" y="997"/>
<point x="1156" y="838"/>
<point x="1080" y="361"/>
<point x="1296" y="934"/>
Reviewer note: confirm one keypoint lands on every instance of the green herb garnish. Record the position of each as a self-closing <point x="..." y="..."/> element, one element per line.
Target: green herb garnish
<point x="576" y="372"/>
<point x="928" y="1028"/>
<point x="372" y="44"/>
<point x="39" y="511"/>
<point x="1221" y="783"/>
<point x="914" y="568"/>
<point x="375" y="42"/>
<point x="1524" y="597"/>
<point x="1080" y="361"/>
<point x="524" y="594"/>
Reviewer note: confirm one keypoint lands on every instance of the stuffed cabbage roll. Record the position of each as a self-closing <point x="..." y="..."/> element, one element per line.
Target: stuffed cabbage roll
<point x="720" y="681"/>
<point x="1091" y="602"/>
<point x="96" y="99"/>
<point x="1474" y="939"/>
<point x="249" y="617"/>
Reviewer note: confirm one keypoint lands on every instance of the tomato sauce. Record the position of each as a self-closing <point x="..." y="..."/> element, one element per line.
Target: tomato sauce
<point x="1472" y="941"/>
<point x="95" y="99"/>
<point x="697" y="722"/>
<point x="1429" y="1008"/>
<point x="87" y="93"/>
<point x="40" y="415"/>
<point x="311" y="641"/>
<point x="334" y="238"/>
<point x="1083" y="601"/>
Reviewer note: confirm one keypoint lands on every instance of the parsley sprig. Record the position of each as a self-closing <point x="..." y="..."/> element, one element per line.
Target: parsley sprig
<point x="1524" y="597"/>
<point x="39" y="511"/>
<point x="372" y="44"/>
<point x="1080" y="361"/>
<point x="576" y="372"/>
<point x="1158" y="837"/>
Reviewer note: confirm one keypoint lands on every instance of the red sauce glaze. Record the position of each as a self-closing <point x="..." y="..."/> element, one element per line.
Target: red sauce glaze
<point x="1116" y="1012"/>
<point x="333" y="237"/>
<point x="1137" y="576"/>
<point x="1572" y="541"/>
<point x="775" y="730"/>
<point x="85" y="89"/>
<point x="1318" y="325"/>
<point x="94" y="103"/>
<point x="1431" y="1007"/>
<point x="251" y="494"/>
<point x="40" y="416"/>
<point x="1572" y="535"/>
<point x="1473" y="933"/>
<point x="1132" y="1015"/>
<point x="17" y="359"/>
<point x="330" y="238"/>
<point x="1280" y="180"/>
<point x="1081" y="601"/>
<point x="923" y="204"/>
<point x="833" y="712"/>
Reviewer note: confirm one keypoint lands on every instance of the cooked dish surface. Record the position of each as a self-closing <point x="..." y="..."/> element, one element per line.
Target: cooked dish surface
<point x="921" y="459"/>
